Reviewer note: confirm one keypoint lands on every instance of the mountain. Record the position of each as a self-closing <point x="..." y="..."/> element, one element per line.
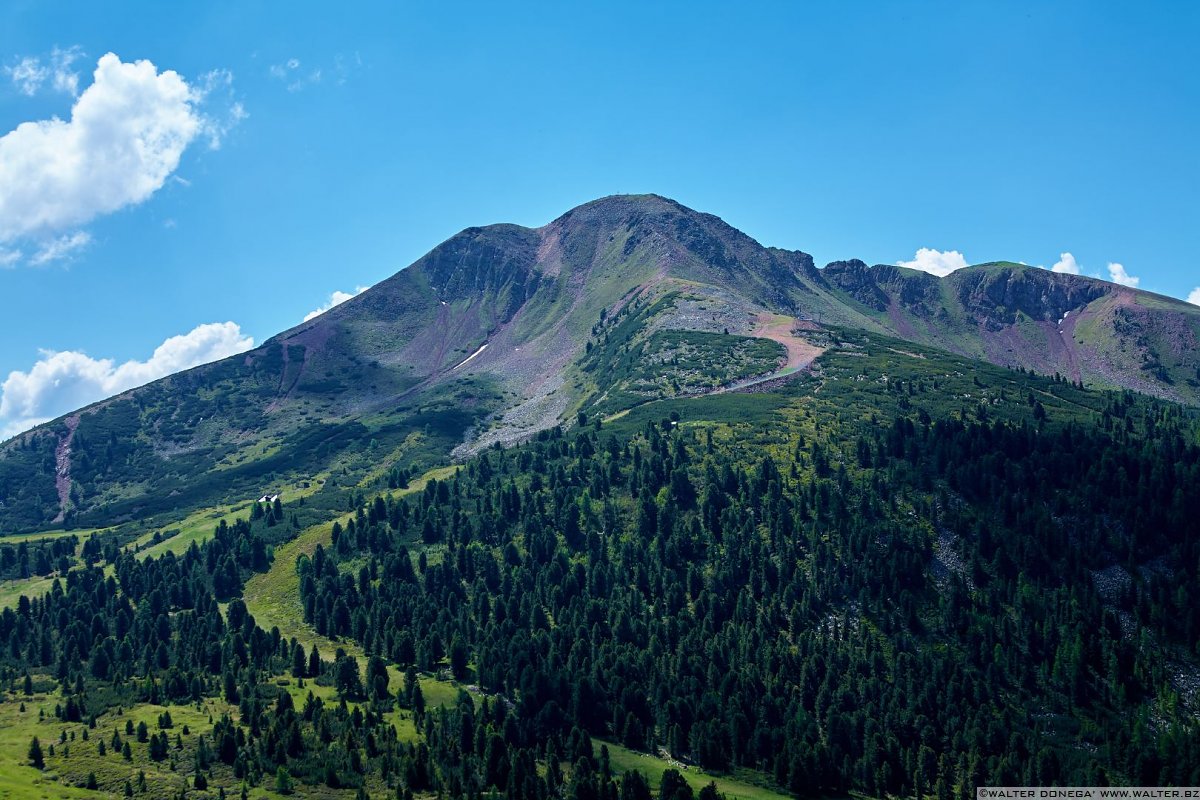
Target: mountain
<point x="762" y="530"/>
<point x="1086" y="329"/>
<point x="502" y="331"/>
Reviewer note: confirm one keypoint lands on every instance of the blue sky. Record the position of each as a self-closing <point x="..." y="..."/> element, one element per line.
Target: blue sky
<point x="301" y="154"/>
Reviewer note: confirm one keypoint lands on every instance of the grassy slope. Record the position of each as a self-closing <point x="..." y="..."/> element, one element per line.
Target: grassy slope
<point x="738" y="787"/>
<point x="19" y="781"/>
<point x="273" y="598"/>
<point x="37" y="536"/>
<point x="850" y="378"/>
<point x="37" y="585"/>
<point x="199" y="525"/>
<point x="11" y="591"/>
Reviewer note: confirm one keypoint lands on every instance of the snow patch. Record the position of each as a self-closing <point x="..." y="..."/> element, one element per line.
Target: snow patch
<point x="468" y="358"/>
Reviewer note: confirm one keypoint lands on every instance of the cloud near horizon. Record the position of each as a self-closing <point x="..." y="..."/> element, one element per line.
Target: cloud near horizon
<point x="60" y="382"/>
<point x="1194" y="297"/>
<point x="935" y="262"/>
<point x="336" y="298"/>
<point x="124" y="139"/>
<point x="1066" y="265"/>
<point x="1117" y="274"/>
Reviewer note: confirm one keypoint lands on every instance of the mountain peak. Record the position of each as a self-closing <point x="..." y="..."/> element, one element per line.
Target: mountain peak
<point x="618" y="208"/>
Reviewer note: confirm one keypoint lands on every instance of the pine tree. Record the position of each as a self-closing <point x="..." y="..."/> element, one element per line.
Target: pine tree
<point x="36" y="759"/>
<point x="283" y="781"/>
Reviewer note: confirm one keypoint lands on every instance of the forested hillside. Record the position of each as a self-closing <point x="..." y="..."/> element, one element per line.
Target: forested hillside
<point x="901" y="574"/>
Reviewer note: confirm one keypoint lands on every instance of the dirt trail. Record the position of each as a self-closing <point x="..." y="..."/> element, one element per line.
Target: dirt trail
<point x="782" y="329"/>
<point x="800" y="353"/>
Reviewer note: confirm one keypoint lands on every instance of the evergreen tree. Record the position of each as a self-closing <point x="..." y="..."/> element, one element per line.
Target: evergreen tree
<point x="283" y="781"/>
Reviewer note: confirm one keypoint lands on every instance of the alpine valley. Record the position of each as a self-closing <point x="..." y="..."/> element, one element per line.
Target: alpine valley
<point x="627" y="506"/>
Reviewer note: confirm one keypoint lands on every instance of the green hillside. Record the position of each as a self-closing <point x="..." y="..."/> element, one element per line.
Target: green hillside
<point x="624" y="506"/>
<point x="503" y="331"/>
<point x="900" y="572"/>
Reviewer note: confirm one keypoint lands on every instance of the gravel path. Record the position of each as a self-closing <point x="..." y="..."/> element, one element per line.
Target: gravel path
<point x="782" y="329"/>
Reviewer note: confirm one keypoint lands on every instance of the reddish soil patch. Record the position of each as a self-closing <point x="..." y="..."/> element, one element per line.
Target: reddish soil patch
<point x="62" y="467"/>
<point x="800" y="353"/>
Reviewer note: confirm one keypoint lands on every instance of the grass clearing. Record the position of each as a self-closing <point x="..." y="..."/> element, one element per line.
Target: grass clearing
<point x="196" y="527"/>
<point x="11" y="591"/>
<point x="38" y="536"/>
<point x="743" y="786"/>
<point x="19" y="781"/>
<point x="273" y="599"/>
<point x="68" y="767"/>
<point x="199" y="525"/>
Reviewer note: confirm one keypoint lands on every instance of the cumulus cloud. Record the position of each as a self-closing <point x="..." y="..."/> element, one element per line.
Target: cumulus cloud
<point x="29" y="74"/>
<point x="124" y="139"/>
<point x="1194" y="297"/>
<point x="1066" y="264"/>
<point x="935" y="262"/>
<point x="62" y="381"/>
<point x="1118" y="274"/>
<point x="335" y="299"/>
<point x="126" y="134"/>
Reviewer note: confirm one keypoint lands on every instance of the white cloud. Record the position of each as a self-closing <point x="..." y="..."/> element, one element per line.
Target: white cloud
<point x="126" y="134"/>
<point x="335" y="299"/>
<point x="283" y="71"/>
<point x="1194" y="297"/>
<point x="296" y="78"/>
<point x="124" y="139"/>
<point x="9" y="258"/>
<point x="216" y="124"/>
<point x="61" y="248"/>
<point x="64" y="78"/>
<point x="29" y="74"/>
<point x="1066" y="265"/>
<point x="63" y="381"/>
<point x="935" y="262"/>
<point x="1118" y="275"/>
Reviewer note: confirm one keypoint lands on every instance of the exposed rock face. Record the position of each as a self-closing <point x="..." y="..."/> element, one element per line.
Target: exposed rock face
<point x="497" y="261"/>
<point x="995" y="297"/>
<point x="859" y="281"/>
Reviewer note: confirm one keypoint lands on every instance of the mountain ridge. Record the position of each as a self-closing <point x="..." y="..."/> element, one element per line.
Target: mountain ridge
<point x="503" y="330"/>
